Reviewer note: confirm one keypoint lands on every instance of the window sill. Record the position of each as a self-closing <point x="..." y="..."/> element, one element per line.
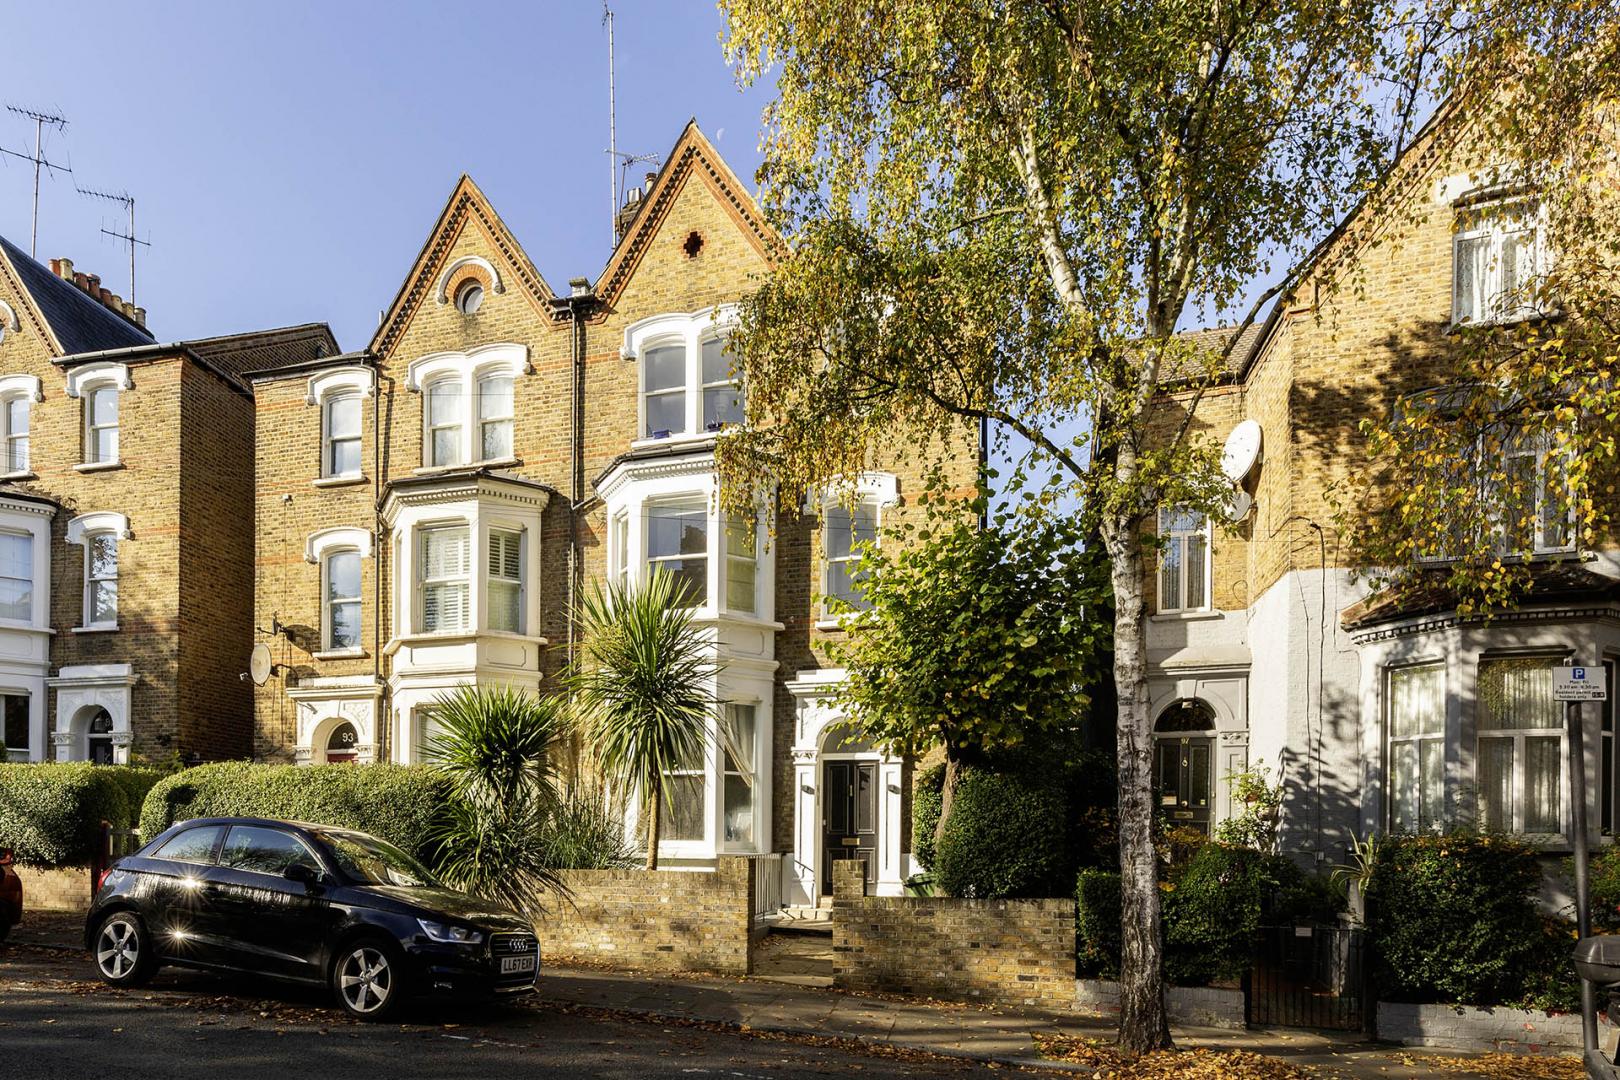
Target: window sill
<point x="1185" y="616"/>
<point x="838" y="622"/>
<point x="488" y="463"/>
<point x="337" y="481"/>
<point x="97" y="466"/>
<point x="684" y="438"/>
<point x="26" y="627"/>
<point x="21" y="474"/>
<point x="95" y="628"/>
<point x="341" y="654"/>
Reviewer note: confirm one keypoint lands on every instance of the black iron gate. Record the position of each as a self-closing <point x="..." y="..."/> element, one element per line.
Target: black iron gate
<point x="1307" y="976"/>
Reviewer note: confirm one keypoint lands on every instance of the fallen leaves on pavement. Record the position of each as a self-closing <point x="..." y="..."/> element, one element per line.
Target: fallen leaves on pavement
<point x="1111" y="1063"/>
<point x="1502" y="1066"/>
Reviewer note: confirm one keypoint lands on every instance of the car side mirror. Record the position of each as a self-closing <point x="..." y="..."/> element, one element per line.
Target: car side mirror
<point x="304" y="875"/>
<point x="6" y="858"/>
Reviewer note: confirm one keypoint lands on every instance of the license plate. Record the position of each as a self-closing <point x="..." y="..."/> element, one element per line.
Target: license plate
<point x="511" y="965"/>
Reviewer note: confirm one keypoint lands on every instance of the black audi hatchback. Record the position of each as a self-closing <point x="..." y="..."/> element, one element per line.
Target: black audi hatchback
<point x="308" y="903"/>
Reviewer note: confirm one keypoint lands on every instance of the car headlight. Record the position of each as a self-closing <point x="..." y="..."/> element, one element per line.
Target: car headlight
<point x="454" y="935"/>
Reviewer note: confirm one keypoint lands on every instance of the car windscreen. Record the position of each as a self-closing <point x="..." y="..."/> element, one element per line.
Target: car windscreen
<point x="369" y="861"/>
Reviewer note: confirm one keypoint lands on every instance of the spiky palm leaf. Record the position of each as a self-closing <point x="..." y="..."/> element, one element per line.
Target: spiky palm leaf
<point x="643" y="688"/>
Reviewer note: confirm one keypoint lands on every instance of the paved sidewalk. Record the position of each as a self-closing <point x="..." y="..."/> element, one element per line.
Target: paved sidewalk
<point x="987" y="1034"/>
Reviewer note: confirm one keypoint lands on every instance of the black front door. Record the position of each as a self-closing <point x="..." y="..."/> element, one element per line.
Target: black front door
<point x="848" y="817"/>
<point x="1183" y="773"/>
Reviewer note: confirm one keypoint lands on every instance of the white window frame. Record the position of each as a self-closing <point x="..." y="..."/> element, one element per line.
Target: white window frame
<point x="683" y="390"/>
<point x="326" y="386"/>
<point x="424" y="583"/>
<point x="17" y="463"/>
<point x="850" y="558"/>
<point x="1493" y="222"/>
<point x="733" y="537"/>
<point x="92" y="580"/>
<point x="619" y="548"/>
<point x="1542" y="451"/>
<point x="879" y="488"/>
<point x="330" y="439"/>
<point x="329" y="602"/>
<point x="1434" y="740"/>
<point x="687" y="330"/>
<point x="469" y="369"/>
<point x="1179" y="538"/>
<point x="32" y="578"/>
<point x="508" y="418"/>
<point x="514" y="539"/>
<point x="80" y="530"/>
<point x="705" y="386"/>
<point x="1519" y="737"/>
<point x="456" y="422"/>
<point x="724" y="774"/>
<point x="8" y="751"/>
<point x="318" y="548"/>
<point x="93" y="431"/>
<point x="648" y="559"/>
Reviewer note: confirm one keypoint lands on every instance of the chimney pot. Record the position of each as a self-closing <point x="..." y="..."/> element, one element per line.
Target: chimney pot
<point x="579" y="286"/>
<point x="81" y="280"/>
<point x="140" y="317"/>
<point x="65" y="268"/>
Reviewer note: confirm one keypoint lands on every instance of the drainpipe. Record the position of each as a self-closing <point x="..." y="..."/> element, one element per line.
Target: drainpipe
<point x="383" y="721"/>
<point x="577" y="304"/>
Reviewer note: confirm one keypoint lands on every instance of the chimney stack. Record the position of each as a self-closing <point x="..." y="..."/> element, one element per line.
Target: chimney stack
<point x="91" y="283"/>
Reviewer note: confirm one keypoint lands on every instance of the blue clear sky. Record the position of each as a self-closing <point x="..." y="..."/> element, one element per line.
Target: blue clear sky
<point x="288" y="159"/>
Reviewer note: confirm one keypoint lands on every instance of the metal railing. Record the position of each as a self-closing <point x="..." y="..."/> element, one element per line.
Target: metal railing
<point x="767" y="870"/>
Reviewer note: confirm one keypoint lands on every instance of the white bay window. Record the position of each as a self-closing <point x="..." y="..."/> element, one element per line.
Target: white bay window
<point x="505" y="581"/>
<point x="442" y="579"/>
<point x="17" y="576"/>
<point x="1520" y="750"/>
<point x="678" y="542"/>
<point x="688" y="382"/>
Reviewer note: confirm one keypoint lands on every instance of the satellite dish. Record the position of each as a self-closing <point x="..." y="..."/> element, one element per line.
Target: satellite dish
<point x="1238" y="505"/>
<point x="259" y="664"/>
<point x="1242" y="451"/>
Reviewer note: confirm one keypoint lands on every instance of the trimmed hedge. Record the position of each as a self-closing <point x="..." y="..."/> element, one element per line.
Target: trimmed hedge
<point x="1007" y="836"/>
<point x="1096" y="922"/>
<point x="1454" y="919"/>
<point x="51" y="812"/>
<point x="926" y="792"/>
<point x="397" y="803"/>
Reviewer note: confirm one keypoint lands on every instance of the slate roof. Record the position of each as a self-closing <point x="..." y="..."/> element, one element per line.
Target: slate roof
<point x="261" y="350"/>
<point x="1549" y="583"/>
<point x="1213" y="339"/>
<point x="79" y="322"/>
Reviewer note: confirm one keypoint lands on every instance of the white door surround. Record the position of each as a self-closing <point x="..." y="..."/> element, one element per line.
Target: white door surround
<point x="815" y="740"/>
<point x="81" y="691"/>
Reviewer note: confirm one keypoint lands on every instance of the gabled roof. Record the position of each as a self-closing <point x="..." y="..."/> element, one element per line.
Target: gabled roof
<point x="260" y="350"/>
<point x="693" y="156"/>
<point x="71" y="319"/>
<point x="467" y="206"/>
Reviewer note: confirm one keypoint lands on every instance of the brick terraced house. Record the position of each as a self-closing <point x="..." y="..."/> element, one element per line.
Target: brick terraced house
<point x="1265" y="647"/>
<point x="125" y="508"/>
<point x="427" y="510"/>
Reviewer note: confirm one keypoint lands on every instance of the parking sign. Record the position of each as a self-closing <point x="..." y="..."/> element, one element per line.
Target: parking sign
<point x="1580" y="684"/>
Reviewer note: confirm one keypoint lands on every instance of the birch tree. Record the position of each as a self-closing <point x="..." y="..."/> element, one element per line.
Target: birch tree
<point x="1002" y="212"/>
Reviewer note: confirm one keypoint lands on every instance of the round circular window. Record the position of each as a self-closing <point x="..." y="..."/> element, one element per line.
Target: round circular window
<point x="469" y="298"/>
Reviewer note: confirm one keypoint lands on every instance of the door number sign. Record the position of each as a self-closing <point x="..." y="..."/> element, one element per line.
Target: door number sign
<point x="1580" y="684"/>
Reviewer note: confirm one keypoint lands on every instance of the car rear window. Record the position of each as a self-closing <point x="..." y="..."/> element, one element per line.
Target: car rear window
<point x="193" y="845"/>
<point x="265" y="851"/>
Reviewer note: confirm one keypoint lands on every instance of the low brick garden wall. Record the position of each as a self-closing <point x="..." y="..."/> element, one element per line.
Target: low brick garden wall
<point x="61" y="888"/>
<point x="1007" y="952"/>
<point x="668" y="920"/>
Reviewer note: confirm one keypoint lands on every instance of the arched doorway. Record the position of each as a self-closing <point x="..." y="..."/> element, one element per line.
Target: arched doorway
<point x="342" y="745"/>
<point x="98" y="744"/>
<point x="849" y="803"/>
<point x="1184" y="763"/>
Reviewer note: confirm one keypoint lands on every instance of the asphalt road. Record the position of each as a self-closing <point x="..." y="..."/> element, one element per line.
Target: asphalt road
<point x="58" y="1021"/>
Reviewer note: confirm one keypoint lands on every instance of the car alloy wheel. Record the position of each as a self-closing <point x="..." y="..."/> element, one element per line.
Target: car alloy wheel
<point x="365" y="980"/>
<point x="122" y="952"/>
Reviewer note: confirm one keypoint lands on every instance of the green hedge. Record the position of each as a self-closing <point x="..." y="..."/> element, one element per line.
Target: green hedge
<point x="1454" y="918"/>
<point x="926" y="792"/>
<point x="397" y="803"/>
<point x="1211" y="907"/>
<point x="1006" y="836"/>
<point x="51" y="813"/>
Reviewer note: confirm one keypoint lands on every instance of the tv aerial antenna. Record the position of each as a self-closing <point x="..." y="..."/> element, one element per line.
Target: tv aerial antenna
<point x="41" y="120"/>
<point x="618" y="163"/>
<point x="127" y="201"/>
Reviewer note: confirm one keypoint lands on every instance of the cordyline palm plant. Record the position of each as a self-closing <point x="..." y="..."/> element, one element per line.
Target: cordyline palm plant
<point x="496" y="743"/>
<point x="643" y="689"/>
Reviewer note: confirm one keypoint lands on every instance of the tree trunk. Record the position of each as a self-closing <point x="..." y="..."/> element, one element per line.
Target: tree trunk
<point x="1143" y="1025"/>
<point x="947" y="796"/>
<point x="655" y="800"/>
